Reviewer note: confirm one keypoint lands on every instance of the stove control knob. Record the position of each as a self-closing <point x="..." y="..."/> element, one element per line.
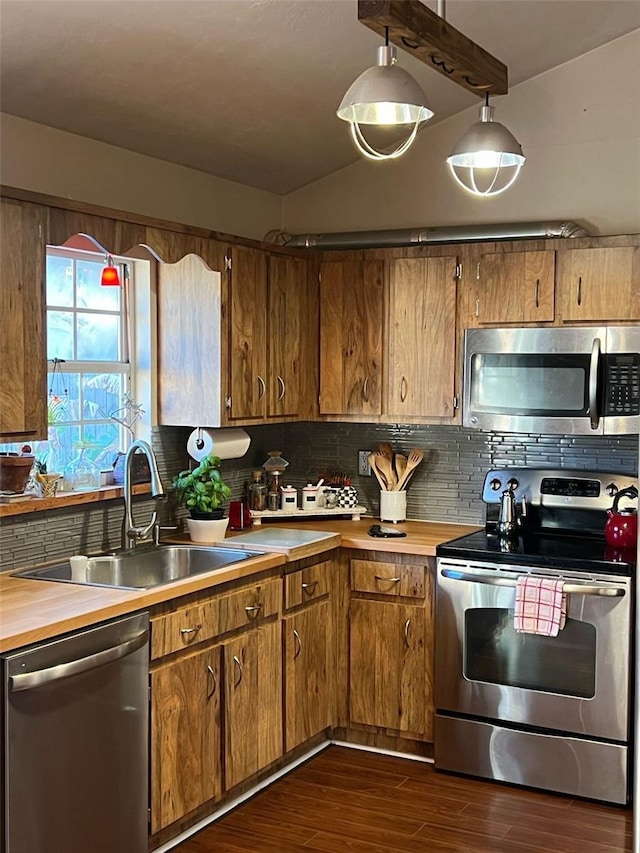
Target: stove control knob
<point x="611" y="489"/>
<point x="495" y="484"/>
<point x="512" y="484"/>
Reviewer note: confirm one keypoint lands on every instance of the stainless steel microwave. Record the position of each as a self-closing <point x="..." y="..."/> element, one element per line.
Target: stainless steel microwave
<point x="568" y="380"/>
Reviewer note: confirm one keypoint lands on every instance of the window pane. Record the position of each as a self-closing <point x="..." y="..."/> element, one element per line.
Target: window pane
<point x="98" y="337"/>
<point x="90" y="293"/>
<point x="59" y="334"/>
<point x="102" y="393"/>
<point x="59" y="281"/>
<point x="104" y="443"/>
<point x="62" y="447"/>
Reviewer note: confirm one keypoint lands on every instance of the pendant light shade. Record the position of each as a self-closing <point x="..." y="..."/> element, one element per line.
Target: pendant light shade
<point x="487" y="158"/>
<point x="110" y="274"/>
<point x="385" y="96"/>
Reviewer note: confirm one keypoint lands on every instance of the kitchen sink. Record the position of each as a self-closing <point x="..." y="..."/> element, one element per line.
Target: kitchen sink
<point x="141" y="568"/>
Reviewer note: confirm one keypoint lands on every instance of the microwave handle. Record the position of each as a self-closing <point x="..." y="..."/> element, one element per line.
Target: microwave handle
<point x="594" y="372"/>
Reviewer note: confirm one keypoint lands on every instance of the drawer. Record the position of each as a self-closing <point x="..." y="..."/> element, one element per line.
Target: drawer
<point x="185" y="628"/>
<point x="306" y="585"/>
<point x="240" y="609"/>
<point x="388" y="578"/>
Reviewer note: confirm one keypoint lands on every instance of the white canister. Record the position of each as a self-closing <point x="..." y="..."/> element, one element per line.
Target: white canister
<point x="310" y="497"/>
<point x="288" y="497"/>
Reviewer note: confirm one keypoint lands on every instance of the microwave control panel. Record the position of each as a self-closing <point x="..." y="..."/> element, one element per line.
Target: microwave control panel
<point x="622" y="383"/>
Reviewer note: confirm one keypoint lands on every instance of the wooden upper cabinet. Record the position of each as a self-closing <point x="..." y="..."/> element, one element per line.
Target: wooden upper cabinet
<point x="286" y="290"/>
<point x="351" y="317"/>
<point x="600" y="285"/>
<point x="248" y="333"/>
<point x="422" y="337"/>
<point x="23" y="344"/>
<point x="515" y="287"/>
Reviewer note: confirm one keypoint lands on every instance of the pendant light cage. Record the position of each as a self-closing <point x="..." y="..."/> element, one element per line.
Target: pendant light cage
<point x="487" y="158"/>
<point x="384" y="95"/>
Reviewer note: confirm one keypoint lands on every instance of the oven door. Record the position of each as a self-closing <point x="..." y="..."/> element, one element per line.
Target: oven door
<point x="576" y="682"/>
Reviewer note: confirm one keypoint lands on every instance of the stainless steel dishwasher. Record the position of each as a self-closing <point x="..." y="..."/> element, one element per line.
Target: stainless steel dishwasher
<point x="75" y="731"/>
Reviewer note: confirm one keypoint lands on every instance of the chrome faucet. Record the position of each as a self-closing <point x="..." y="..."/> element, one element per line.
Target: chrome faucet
<point x="130" y="533"/>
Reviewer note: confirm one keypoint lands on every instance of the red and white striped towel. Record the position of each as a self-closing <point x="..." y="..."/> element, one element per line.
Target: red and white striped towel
<point x="541" y="606"/>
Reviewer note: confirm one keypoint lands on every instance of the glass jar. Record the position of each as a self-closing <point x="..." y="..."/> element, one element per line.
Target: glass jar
<point x="82" y="474"/>
<point x="257" y="492"/>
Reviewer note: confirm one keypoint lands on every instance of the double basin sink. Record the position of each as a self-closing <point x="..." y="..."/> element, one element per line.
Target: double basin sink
<point x="142" y="567"/>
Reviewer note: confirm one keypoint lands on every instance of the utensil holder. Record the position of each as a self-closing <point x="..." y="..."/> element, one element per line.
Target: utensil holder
<point x="393" y="506"/>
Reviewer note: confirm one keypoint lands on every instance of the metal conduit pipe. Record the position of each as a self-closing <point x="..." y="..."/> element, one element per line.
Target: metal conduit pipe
<point x="420" y="236"/>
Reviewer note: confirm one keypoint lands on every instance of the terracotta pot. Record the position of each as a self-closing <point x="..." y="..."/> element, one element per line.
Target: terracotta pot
<point x="14" y="472"/>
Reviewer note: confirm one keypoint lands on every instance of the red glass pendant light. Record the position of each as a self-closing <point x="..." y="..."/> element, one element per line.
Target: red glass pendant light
<point x="110" y="275"/>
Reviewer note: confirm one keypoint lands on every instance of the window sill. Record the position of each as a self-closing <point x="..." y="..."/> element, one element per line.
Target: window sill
<point x="65" y="499"/>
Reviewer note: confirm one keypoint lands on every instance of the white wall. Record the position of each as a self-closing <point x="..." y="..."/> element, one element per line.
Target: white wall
<point x="46" y="160"/>
<point x="579" y="126"/>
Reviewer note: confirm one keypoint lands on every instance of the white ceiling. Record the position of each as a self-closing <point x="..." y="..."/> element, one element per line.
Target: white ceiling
<point x="247" y="89"/>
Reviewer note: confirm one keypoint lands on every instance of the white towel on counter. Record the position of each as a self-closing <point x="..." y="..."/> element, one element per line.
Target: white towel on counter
<point x="541" y="606"/>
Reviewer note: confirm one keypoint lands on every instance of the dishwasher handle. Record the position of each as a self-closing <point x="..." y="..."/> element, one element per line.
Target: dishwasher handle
<point x="30" y="680"/>
<point x="569" y="588"/>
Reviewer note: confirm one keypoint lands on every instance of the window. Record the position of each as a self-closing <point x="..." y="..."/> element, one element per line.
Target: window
<point x="89" y="373"/>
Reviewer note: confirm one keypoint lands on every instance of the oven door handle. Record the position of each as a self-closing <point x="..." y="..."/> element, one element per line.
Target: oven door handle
<point x="569" y="588"/>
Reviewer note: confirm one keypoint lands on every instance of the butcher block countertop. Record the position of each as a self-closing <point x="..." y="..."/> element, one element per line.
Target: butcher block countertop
<point x="35" y="610"/>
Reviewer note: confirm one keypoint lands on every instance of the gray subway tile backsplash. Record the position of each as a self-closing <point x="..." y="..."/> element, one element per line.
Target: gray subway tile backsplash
<point x="445" y="487"/>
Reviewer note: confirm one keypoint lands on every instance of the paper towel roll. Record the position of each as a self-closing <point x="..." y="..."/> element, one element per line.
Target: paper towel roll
<point x="230" y="443"/>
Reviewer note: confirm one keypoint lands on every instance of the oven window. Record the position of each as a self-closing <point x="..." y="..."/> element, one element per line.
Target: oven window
<point x="529" y="384"/>
<point x="495" y="653"/>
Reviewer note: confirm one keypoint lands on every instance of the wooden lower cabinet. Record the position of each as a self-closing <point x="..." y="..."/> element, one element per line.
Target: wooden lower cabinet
<point x="186" y="754"/>
<point x="253" y="702"/>
<point x="306" y="673"/>
<point x="389" y="666"/>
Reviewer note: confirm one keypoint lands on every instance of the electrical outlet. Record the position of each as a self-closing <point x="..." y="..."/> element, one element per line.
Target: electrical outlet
<point x="364" y="469"/>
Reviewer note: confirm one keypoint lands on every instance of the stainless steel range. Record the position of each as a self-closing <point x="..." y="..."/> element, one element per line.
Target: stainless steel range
<point x="549" y="712"/>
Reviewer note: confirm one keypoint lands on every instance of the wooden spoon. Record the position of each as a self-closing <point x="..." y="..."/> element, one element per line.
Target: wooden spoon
<point x="385" y="467"/>
<point x="400" y="464"/>
<point x="373" y="459"/>
<point x="385" y="449"/>
<point x="413" y="460"/>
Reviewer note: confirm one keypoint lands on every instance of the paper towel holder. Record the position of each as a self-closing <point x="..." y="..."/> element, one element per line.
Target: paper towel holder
<point x="224" y="442"/>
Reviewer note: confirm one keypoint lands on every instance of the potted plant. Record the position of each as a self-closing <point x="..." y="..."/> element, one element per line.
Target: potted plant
<point x="203" y="492"/>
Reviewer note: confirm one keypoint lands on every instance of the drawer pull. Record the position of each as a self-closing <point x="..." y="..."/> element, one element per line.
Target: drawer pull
<point x="309" y="588"/>
<point x="387" y="580"/>
<point x="236" y="660"/>
<point x="253" y="610"/>
<point x="214" y="682"/>
<point x="296" y="637"/>
<point x="406" y="632"/>
<point x="189" y="634"/>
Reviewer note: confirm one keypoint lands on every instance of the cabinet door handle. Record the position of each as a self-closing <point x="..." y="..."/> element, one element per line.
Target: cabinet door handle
<point x="261" y="388"/>
<point x="387" y="580"/>
<point x="189" y="634"/>
<point x="537" y="293"/>
<point x="477" y="307"/>
<point x="579" y="291"/>
<point x="214" y="682"/>
<point x="365" y="390"/>
<point x="407" y="625"/>
<point x="404" y="388"/>
<point x="282" y="388"/>
<point x="309" y="588"/>
<point x="236" y="660"/>
<point x="253" y="610"/>
<point x="296" y="637"/>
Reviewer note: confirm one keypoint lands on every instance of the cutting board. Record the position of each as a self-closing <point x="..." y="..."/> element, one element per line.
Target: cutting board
<point x="284" y="540"/>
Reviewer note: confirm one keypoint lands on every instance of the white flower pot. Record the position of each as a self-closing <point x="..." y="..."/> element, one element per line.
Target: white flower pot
<point x="207" y="531"/>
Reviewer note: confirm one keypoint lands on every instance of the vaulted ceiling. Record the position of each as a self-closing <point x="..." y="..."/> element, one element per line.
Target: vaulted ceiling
<point x="247" y="89"/>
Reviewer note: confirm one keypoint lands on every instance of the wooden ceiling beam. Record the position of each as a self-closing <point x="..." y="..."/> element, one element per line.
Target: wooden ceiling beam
<point x="418" y="30"/>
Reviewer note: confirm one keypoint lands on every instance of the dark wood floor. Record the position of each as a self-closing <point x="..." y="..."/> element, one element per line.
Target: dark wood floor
<point x="351" y="801"/>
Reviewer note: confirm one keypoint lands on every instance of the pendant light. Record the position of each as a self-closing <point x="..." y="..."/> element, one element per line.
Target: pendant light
<point x="487" y="158"/>
<point x="384" y="95"/>
<point x="110" y="275"/>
